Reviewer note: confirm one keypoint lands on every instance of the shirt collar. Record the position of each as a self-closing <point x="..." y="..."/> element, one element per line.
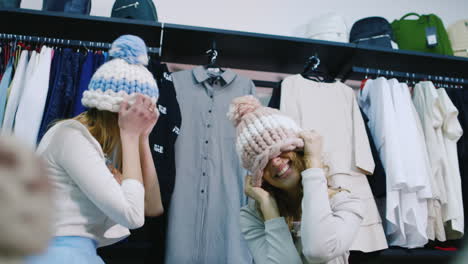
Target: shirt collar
<point x="201" y="75"/>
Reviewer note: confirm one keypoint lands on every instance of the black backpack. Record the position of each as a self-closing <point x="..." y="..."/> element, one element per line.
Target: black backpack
<point x="68" y="6"/>
<point x="372" y="31"/>
<point x="135" y="9"/>
<point x="10" y="3"/>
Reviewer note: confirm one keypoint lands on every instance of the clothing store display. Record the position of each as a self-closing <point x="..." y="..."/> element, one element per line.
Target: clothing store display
<point x="99" y="59"/>
<point x="70" y="250"/>
<point x="123" y="76"/>
<point x="416" y="162"/>
<point x="331" y="27"/>
<point x="165" y="132"/>
<point x="452" y="132"/>
<point x="274" y="133"/>
<point x="328" y="227"/>
<point x="331" y="109"/>
<point x="427" y="103"/>
<point x="377" y="179"/>
<point x="372" y="31"/>
<point x="426" y="34"/>
<point x="16" y="90"/>
<point x="458" y="35"/>
<point x="55" y="68"/>
<point x="387" y="105"/>
<point x="459" y="98"/>
<point x="68" y="6"/>
<point x="141" y="10"/>
<point x="208" y="192"/>
<point x="10" y="3"/>
<point x="275" y="99"/>
<point x="78" y="177"/>
<point x="86" y="73"/>
<point x="4" y="84"/>
<point x="32" y="103"/>
<point x="397" y="147"/>
<point x="162" y="140"/>
<point x="61" y="97"/>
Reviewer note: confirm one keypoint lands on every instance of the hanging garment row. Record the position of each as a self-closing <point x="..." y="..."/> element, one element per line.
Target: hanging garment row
<point x="416" y="183"/>
<point x="204" y="157"/>
<point x="42" y="84"/>
<point x="421" y="196"/>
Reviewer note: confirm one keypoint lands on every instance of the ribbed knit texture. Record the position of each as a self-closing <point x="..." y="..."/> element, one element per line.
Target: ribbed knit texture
<point x="124" y="76"/>
<point x="262" y="134"/>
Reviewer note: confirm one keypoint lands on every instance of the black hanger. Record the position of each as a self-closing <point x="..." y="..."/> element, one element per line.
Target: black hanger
<point x="212" y="56"/>
<point x="316" y="72"/>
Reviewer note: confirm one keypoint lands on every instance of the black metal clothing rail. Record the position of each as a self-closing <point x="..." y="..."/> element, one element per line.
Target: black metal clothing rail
<point x="64" y="42"/>
<point x="441" y="81"/>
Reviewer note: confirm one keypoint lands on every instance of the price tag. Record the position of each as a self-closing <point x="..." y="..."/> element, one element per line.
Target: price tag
<point x="431" y="37"/>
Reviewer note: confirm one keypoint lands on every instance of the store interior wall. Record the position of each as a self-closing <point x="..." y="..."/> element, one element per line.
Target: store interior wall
<point x="281" y="17"/>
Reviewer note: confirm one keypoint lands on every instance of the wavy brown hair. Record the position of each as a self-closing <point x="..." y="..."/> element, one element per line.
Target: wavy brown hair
<point x="104" y="127"/>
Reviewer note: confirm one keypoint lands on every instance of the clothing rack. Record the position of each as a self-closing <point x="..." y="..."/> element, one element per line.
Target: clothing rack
<point x="439" y="81"/>
<point x="64" y="42"/>
<point x="267" y="84"/>
<point x="95" y="45"/>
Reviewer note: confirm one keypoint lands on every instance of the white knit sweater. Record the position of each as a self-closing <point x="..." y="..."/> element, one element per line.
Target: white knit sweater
<point x="88" y="201"/>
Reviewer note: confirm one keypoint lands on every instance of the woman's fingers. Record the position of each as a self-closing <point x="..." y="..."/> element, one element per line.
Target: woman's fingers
<point x="123" y="106"/>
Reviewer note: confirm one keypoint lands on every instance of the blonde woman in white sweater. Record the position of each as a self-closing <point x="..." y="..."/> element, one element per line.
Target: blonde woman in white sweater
<point x="95" y="206"/>
<point x="294" y="216"/>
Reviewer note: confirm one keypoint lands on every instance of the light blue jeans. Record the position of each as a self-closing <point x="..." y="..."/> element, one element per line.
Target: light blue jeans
<point x="69" y="250"/>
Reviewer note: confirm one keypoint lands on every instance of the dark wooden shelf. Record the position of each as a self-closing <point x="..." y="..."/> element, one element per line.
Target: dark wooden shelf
<point x="75" y="26"/>
<point x="242" y="50"/>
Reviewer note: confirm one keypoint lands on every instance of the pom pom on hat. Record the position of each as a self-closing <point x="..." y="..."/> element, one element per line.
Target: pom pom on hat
<point x="241" y="106"/>
<point x="130" y="48"/>
<point x="122" y="77"/>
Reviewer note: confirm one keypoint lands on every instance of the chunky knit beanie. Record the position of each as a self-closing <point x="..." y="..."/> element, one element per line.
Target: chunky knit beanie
<point x="262" y="134"/>
<point x="123" y="76"/>
<point x="25" y="200"/>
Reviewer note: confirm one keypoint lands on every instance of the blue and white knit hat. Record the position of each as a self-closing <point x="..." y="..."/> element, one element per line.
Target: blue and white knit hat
<point x="123" y="76"/>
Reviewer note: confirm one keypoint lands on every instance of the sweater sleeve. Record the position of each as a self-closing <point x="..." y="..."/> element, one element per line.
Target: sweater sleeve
<point x="269" y="242"/>
<point x="124" y="204"/>
<point x="328" y="228"/>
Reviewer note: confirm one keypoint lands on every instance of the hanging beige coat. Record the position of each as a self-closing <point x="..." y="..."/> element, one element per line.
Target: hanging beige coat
<point x="332" y="110"/>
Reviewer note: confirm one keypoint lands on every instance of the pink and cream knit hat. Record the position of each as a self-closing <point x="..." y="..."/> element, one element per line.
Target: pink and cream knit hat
<point x="262" y="134"/>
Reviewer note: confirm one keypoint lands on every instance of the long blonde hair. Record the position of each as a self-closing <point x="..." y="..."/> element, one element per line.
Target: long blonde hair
<point x="104" y="127"/>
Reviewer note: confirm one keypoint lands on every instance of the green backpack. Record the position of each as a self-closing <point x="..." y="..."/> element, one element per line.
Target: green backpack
<point x="426" y="34"/>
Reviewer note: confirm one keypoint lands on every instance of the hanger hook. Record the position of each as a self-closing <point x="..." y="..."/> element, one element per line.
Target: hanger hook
<point x="316" y="64"/>
<point x="214" y="56"/>
<point x="213" y="53"/>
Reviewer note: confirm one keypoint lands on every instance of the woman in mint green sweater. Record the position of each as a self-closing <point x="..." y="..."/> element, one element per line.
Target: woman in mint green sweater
<point x="294" y="216"/>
